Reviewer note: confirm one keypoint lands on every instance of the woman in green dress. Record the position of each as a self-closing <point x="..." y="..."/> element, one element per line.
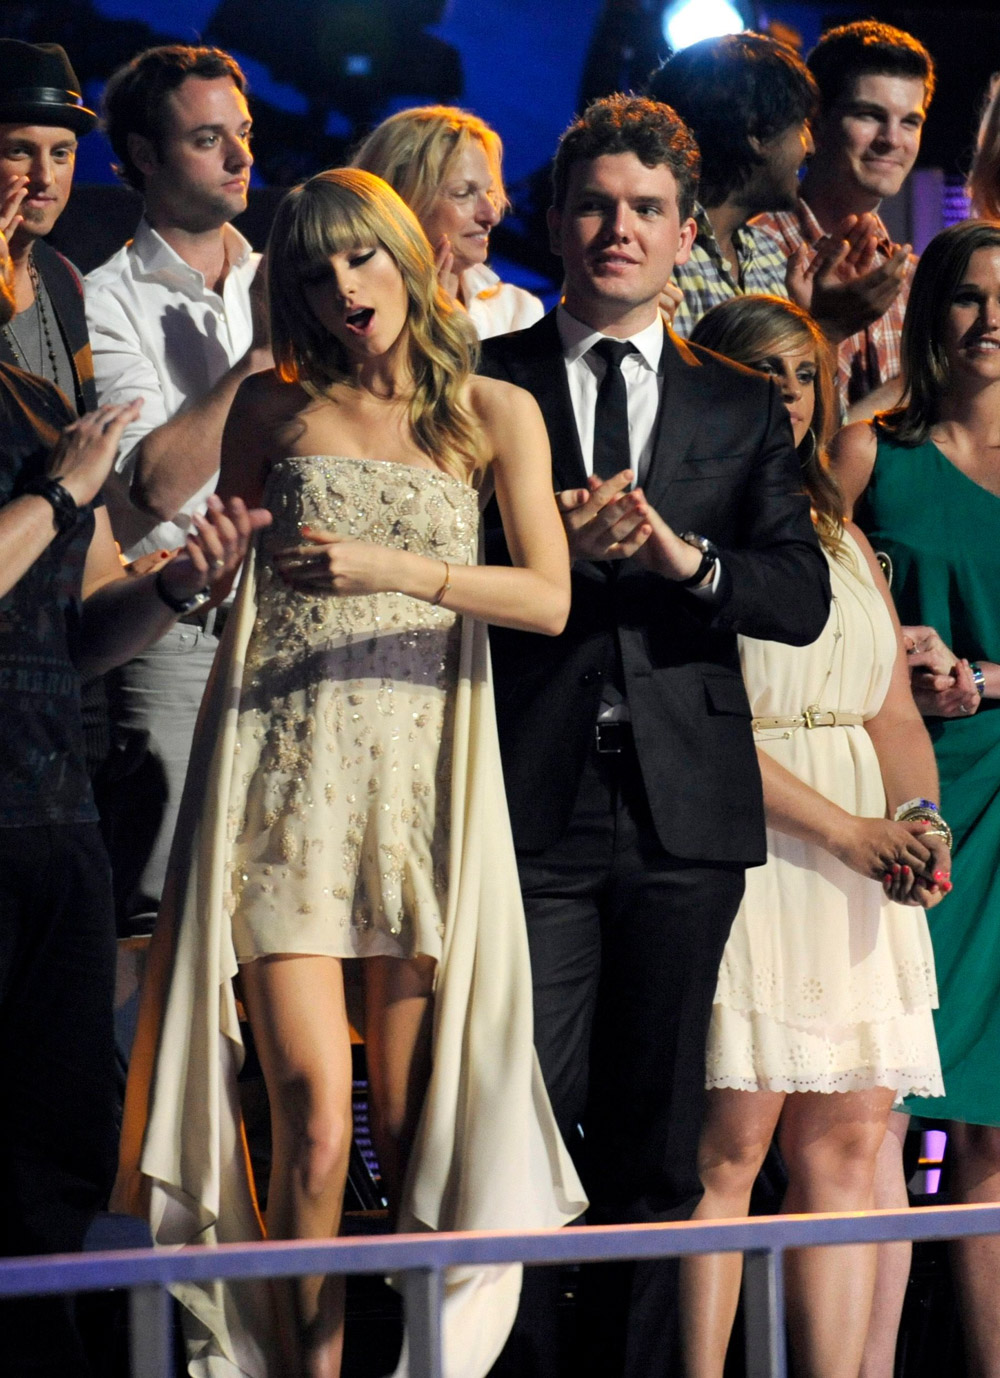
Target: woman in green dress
<point x="924" y="481"/>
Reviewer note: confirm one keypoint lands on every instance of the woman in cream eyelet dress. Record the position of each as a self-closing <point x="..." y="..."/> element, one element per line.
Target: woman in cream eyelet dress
<point x="345" y="801"/>
<point x="822" y="1016"/>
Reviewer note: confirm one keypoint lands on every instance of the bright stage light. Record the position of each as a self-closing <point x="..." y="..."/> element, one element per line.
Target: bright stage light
<point x="688" y="21"/>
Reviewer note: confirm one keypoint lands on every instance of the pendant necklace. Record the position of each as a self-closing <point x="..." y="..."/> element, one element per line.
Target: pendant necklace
<point x="45" y="345"/>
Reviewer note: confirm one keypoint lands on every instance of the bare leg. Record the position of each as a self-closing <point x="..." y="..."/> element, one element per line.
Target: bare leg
<point x="830" y="1144"/>
<point x="976" y="1262"/>
<point x="296" y="1008"/>
<point x="738" y="1129"/>
<point x="398" y="1019"/>
<point x="893" y="1268"/>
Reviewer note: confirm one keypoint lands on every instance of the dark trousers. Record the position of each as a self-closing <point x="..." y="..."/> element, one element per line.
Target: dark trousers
<point x="625" y="944"/>
<point x="57" y="1070"/>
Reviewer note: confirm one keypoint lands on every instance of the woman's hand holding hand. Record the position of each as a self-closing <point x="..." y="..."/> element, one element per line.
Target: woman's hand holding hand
<point x="946" y="696"/>
<point x="942" y="684"/>
<point x="879" y="848"/>
<point x="932" y="884"/>
<point x="327" y="563"/>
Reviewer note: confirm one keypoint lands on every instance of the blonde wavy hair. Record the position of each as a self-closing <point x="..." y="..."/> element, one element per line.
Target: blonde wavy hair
<point x="415" y="151"/>
<point x="344" y="209"/>
<point x="749" y="329"/>
<point x="983" y="184"/>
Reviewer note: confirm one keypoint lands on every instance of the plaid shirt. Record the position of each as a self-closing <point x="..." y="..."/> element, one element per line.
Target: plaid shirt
<point x="706" y="280"/>
<point x="871" y="357"/>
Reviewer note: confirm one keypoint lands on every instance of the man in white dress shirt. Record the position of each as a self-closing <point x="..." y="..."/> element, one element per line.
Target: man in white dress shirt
<point x="174" y="320"/>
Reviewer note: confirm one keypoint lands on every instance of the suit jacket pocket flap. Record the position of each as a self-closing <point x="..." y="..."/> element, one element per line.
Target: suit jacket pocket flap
<point x="726" y="694"/>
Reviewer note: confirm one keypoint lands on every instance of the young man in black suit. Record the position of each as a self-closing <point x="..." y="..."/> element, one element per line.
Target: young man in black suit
<point x="628" y="755"/>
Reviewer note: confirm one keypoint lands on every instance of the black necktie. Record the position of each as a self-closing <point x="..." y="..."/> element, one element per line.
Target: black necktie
<point x="611" y="447"/>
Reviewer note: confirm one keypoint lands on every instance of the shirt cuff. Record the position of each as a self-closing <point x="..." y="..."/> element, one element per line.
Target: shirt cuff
<point x="708" y="592"/>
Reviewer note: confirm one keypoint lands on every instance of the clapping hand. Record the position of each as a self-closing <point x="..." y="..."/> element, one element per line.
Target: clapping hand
<point x="215" y="548"/>
<point x="447" y="273"/>
<point x="605" y="520"/>
<point x="841" y="282"/>
<point x="86" y="449"/>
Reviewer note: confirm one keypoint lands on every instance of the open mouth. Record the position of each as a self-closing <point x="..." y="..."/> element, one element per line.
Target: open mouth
<point x="359" y="320"/>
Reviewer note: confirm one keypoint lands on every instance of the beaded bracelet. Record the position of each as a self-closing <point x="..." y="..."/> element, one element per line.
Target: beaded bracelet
<point x="64" y="508"/>
<point x="924" y="811"/>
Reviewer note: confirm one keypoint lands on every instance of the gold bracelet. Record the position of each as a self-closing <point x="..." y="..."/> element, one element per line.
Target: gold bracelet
<point x="936" y="826"/>
<point x="436" y="600"/>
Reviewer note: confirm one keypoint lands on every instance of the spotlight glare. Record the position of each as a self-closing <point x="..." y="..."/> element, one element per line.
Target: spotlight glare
<point x="688" y="21"/>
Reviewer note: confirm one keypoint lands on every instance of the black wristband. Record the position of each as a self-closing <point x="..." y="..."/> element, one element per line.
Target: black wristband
<point x="64" y="508"/>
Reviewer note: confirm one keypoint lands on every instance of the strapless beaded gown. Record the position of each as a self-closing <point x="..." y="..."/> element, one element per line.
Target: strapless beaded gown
<point x="340" y="802"/>
<point x="345" y="796"/>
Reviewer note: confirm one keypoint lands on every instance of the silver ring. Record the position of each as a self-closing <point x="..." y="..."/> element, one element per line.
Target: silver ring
<point x="218" y="564"/>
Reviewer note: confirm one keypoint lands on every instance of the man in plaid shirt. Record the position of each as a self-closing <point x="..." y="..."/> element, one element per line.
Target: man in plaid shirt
<point x="747" y="100"/>
<point x="875" y="85"/>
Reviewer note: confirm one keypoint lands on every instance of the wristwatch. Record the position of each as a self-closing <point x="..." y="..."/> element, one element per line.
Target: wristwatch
<point x="709" y="555"/>
<point x="181" y="606"/>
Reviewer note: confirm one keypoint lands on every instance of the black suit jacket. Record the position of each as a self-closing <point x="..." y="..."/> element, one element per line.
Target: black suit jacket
<point x="66" y="294"/>
<point x="725" y="467"/>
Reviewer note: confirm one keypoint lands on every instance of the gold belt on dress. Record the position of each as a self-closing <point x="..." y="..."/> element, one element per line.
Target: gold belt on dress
<point x="810" y="717"/>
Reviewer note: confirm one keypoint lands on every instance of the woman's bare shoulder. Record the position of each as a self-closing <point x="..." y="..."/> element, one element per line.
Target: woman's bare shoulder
<point x="852" y="459"/>
<point x="494" y="401"/>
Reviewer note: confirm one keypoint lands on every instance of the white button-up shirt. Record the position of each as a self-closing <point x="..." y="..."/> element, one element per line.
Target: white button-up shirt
<point x="643" y="385"/>
<point x="157" y="332"/>
<point x="644" y="389"/>
<point x="495" y="307"/>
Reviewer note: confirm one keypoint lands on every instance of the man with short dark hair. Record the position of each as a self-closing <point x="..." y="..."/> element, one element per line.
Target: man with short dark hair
<point x="875" y="84"/>
<point x="629" y="763"/>
<point x="172" y="320"/>
<point x="747" y="100"/>
<point x="42" y="115"/>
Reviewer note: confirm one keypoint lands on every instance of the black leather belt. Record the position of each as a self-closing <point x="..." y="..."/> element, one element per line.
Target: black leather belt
<point x="612" y="738"/>
<point x="212" y="621"/>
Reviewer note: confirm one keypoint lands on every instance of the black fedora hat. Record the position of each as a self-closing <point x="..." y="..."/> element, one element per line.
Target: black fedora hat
<point x="38" y="86"/>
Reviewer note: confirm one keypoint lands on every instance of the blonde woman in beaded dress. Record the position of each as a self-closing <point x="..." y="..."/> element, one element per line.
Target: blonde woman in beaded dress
<point x="822" y="1016"/>
<point x="354" y="803"/>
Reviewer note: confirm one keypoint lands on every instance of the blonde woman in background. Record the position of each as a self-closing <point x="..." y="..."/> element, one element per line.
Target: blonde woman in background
<point x="446" y="165"/>
<point x="822" y="1015"/>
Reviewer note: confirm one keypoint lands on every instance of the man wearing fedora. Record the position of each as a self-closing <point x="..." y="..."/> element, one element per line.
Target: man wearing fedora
<point x="41" y="117"/>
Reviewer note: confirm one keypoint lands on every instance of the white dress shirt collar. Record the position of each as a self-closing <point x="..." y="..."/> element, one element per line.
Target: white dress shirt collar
<point x="577" y="338"/>
<point x="156" y="260"/>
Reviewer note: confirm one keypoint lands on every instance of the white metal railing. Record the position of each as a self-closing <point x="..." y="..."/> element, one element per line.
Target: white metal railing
<point x="147" y="1273"/>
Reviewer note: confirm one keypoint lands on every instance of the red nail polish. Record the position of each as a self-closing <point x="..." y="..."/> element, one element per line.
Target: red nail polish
<point x="887" y="879"/>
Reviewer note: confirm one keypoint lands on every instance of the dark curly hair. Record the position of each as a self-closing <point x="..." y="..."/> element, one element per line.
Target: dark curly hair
<point x="729" y="90"/>
<point x="867" y="48"/>
<point x="630" y="124"/>
<point x="136" y="94"/>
